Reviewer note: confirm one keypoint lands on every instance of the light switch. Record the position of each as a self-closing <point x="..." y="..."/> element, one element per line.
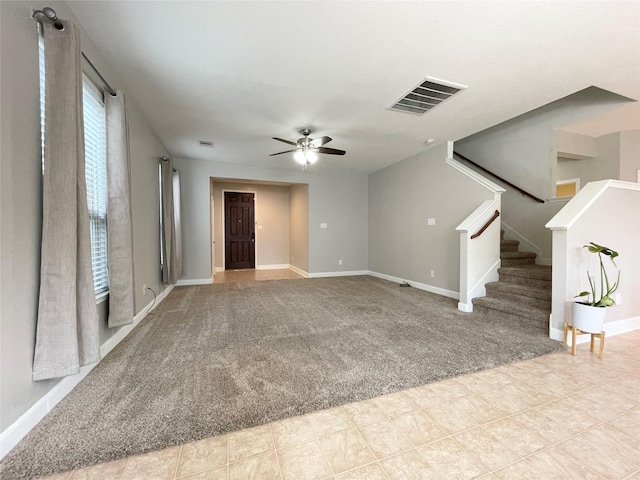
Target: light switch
<point x="323" y="225"/>
<point x="259" y="227"/>
<point x="431" y="221"/>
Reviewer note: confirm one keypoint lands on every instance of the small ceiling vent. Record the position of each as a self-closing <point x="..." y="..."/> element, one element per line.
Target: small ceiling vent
<point x="206" y="143"/>
<point x="429" y="93"/>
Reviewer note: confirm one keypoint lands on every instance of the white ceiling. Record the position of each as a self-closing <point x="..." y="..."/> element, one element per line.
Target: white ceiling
<point x="239" y="73"/>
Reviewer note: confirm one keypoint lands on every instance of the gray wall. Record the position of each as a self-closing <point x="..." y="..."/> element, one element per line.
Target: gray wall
<point x="629" y="155"/>
<point x="338" y="199"/>
<point x="21" y="199"/>
<point x="272" y="221"/>
<point x="299" y="227"/>
<point x="522" y="150"/>
<point x="401" y="199"/>
<point x="605" y="164"/>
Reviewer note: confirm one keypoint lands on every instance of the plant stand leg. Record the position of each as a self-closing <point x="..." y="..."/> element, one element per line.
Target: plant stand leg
<point x="591" y="343"/>
<point x="566" y="333"/>
<point x="574" y="332"/>
<point x="601" y="345"/>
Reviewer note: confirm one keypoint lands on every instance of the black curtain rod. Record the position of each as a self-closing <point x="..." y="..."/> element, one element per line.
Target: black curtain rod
<point x="50" y="14"/>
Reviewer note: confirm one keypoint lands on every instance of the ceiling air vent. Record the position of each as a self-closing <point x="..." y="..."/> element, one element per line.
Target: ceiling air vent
<point x="429" y="93"/>
<point x="206" y="143"/>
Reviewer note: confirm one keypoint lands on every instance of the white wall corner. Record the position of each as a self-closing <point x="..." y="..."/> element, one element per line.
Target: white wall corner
<point x="28" y="420"/>
<point x="299" y="271"/>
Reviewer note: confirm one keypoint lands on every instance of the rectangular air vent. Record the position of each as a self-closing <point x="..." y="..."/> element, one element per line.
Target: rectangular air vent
<point x="429" y="93"/>
<point x="206" y="143"/>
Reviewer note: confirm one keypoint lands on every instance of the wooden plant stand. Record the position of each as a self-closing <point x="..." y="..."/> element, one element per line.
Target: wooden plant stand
<point x="575" y="332"/>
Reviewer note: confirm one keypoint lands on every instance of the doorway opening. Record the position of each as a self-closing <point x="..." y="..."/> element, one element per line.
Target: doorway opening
<point x="278" y="230"/>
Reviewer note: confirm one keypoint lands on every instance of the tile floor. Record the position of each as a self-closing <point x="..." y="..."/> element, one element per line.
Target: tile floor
<point x="234" y="276"/>
<point x="553" y="417"/>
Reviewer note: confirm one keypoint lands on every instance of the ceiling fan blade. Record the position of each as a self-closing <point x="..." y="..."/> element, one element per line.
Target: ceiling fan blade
<point x="320" y="141"/>
<point x="331" y="151"/>
<point x="285" y="141"/>
<point x="280" y="153"/>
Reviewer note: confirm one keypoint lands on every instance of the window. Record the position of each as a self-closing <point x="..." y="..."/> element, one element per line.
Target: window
<point x="95" y="170"/>
<point x="567" y="188"/>
<point x="95" y="155"/>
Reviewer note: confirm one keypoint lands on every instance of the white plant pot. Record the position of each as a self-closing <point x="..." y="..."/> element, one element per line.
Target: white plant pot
<point x="587" y="318"/>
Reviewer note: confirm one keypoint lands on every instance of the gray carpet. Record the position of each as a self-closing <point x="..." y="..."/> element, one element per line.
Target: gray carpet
<point x="218" y="358"/>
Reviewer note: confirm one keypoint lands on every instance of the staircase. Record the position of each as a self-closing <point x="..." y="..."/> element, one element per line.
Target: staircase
<point x="522" y="293"/>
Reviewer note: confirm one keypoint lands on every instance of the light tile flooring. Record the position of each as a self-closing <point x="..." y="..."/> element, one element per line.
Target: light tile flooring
<point x="234" y="276"/>
<point x="553" y="417"/>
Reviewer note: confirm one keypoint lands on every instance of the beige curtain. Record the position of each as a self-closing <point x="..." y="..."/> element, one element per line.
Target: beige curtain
<point x="67" y="334"/>
<point x="177" y="222"/>
<point x="119" y="229"/>
<point x="169" y="271"/>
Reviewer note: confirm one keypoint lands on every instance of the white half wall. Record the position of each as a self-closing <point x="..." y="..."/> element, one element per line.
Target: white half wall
<point x="607" y="213"/>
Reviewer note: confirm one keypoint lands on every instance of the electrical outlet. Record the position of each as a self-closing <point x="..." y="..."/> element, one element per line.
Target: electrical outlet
<point x="433" y="273"/>
<point x="431" y="221"/>
<point x="339" y="262"/>
<point x="144" y="289"/>
<point x="618" y="299"/>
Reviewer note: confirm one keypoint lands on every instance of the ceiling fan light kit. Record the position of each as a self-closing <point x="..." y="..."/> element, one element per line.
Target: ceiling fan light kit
<point x="307" y="149"/>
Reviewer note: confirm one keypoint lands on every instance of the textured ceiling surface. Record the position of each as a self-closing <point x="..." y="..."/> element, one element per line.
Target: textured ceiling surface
<point x="239" y="73"/>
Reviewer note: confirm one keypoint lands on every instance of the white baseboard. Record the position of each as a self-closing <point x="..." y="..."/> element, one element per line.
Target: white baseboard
<point x="23" y="425"/>
<point x="338" y="274"/>
<point x="193" y="281"/>
<point x="219" y="269"/>
<point x="299" y="271"/>
<point x="611" y="329"/>
<point x="283" y="266"/>
<point x="421" y="286"/>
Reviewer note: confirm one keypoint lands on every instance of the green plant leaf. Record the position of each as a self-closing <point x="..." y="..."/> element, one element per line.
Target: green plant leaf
<point x="582" y="294"/>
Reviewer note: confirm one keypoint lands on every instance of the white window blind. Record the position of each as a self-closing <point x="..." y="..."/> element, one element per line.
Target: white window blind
<point x="95" y="169"/>
<point x="95" y="152"/>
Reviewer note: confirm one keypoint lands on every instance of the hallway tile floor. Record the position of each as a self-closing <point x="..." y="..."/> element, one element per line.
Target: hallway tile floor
<point x="553" y="417"/>
<point x="234" y="276"/>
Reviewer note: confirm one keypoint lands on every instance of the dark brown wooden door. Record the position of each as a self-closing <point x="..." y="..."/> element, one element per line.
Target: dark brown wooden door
<point x="239" y="233"/>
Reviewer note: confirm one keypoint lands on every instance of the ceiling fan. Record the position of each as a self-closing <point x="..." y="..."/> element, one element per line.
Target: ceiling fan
<point x="307" y="149"/>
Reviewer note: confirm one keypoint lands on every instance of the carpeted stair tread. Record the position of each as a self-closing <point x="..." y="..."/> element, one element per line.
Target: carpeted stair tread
<point x="509" y="245"/>
<point x="496" y="288"/>
<point x="538" y="272"/>
<point x="530" y="295"/>
<point x="534" y="313"/>
<point x="518" y="255"/>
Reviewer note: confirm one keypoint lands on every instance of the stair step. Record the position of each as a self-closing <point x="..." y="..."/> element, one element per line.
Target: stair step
<point x="512" y="255"/>
<point x="509" y="242"/>
<point x="510" y="259"/>
<point x="526" y="274"/>
<point x="531" y="295"/>
<point x="525" y="316"/>
<point x="509" y="245"/>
